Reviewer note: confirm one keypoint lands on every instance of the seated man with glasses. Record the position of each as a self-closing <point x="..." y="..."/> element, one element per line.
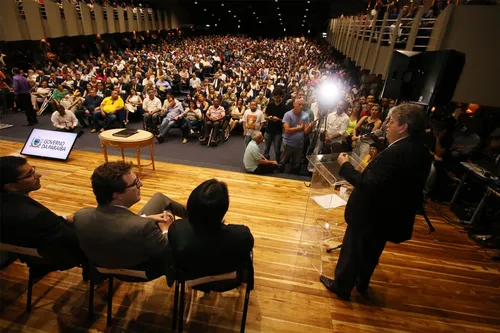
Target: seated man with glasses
<point x="25" y="222"/>
<point x="112" y="236"/>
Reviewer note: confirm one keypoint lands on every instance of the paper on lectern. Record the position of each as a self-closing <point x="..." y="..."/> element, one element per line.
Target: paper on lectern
<point x="329" y="201"/>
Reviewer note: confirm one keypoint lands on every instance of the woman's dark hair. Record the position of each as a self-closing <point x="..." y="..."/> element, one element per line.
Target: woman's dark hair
<point x="207" y="204"/>
<point x="108" y="179"/>
<point x="9" y="169"/>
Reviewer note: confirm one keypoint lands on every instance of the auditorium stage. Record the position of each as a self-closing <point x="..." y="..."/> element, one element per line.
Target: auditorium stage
<point x="440" y="282"/>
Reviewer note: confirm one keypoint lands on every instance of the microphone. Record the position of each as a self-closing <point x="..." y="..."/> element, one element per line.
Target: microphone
<point x="377" y="133"/>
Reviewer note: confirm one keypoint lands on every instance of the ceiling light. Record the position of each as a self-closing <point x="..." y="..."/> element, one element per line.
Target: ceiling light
<point x="280" y="18"/>
<point x="204" y="9"/>
<point x="278" y="8"/>
<point x="309" y="31"/>
<point x="284" y="29"/>
<point x="260" y="22"/>
<point x="195" y="3"/>
<point x="279" y="14"/>
<point x="235" y="16"/>
<point x="254" y="13"/>
<point x="208" y="25"/>
<point x="215" y="24"/>
<point x="307" y="9"/>
<point x="239" y="20"/>
<point x="229" y="11"/>
<point x="238" y="27"/>
<point x="305" y="15"/>
<point x="222" y="4"/>
<point x="302" y="25"/>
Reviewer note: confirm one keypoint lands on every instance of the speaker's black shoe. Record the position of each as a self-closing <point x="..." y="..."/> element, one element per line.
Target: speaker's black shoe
<point x="331" y="285"/>
<point x="362" y="289"/>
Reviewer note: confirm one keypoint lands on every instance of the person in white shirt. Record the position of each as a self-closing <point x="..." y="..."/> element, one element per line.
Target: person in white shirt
<point x="253" y="160"/>
<point x="336" y="125"/>
<point x="194" y="82"/>
<point x="152" y="109"/>
<point x="64" y="120"/>
<point x="253" y="120"/>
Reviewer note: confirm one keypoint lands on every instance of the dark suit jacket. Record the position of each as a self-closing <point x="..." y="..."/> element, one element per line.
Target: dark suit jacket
<point x="389" y="191"/>
<point x="114" y="237"/>
<point x="137" y="87"/>
<point x="209" y="252"/>
<point x="26" y="222"/>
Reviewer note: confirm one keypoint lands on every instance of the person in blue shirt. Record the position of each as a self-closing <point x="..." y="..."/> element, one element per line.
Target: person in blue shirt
<point x="296" y="124"/>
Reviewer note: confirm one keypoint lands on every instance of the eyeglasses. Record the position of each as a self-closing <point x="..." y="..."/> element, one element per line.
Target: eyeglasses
<point x="30" y="174"/>
<point x="136" y="183"/>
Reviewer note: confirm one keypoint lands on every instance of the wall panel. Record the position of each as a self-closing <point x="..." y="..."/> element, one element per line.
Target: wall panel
<point x="100" y="24"/>
<point x="72" y="22"/>
<point x="87" y="26"/>
<point x="54" y="21"/>
<point x="34" y="20"/>
<point x="9" y="16"/>
<point x="121" y="20"/>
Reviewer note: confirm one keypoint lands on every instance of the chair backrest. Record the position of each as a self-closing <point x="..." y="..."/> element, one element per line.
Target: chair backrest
<point x="122" y="272"/>
<point x="212" y="278"/>
<point x="20" y="250"/>
<point x="220" y="282"/>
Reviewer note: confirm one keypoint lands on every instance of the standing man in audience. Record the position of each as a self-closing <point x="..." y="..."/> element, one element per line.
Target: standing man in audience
<point x="275" y="112"/>
<point x="253" y="120"/>
<point x="395" y="177"/>
<point x="22" y="90"/>
<point x="26" y="222"/>
<point x="336" y="125"/>
<point x="112" y="236"/>
<point x="110" y="107"/>
<point x="254" y="161"/>
<point x="151" y="107"/>
<point x="296" y="124"/>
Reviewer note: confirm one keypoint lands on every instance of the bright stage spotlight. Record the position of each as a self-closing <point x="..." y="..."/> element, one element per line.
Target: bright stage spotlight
<point x="328" y="94"/>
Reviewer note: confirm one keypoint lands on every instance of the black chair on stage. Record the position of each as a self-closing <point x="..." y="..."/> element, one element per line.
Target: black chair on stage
<point x="38" y="266"/>
<point x="98" y="274"/>
<point x="198" y="280"/>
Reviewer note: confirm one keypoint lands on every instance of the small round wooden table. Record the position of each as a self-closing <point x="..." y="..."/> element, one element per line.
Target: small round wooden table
<point x="138" y="140"/>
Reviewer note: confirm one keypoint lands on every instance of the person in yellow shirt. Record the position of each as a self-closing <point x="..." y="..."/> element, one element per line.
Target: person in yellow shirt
<point x="110" y="108"/>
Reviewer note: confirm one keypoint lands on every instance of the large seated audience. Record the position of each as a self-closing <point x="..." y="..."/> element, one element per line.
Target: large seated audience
<point x="213" y="87"/>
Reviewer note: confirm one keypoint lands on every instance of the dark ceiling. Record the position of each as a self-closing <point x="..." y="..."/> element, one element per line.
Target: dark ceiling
<point x="268" y="18"/>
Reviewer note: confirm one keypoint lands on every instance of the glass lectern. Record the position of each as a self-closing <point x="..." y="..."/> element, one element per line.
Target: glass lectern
<point x="324" y="215"/>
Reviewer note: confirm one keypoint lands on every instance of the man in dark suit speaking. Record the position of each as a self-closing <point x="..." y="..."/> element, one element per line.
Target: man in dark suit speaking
<point x="112" y="236"/>
<point x="383" y="203"/>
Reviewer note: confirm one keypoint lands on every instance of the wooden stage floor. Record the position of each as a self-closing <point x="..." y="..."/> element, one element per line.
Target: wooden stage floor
<point x="440" y="282"/>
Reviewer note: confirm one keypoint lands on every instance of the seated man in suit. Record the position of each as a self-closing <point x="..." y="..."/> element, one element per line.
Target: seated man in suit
<point x="203" y="242"/>
<point x="112" y="236"/>
<point x="26" y="222"/>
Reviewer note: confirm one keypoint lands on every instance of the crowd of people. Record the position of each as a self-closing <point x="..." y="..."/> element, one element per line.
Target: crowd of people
<point x="211" y="87"/>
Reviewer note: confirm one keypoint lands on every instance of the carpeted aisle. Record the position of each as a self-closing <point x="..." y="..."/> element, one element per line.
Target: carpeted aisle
<point x="227" y="156"/>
